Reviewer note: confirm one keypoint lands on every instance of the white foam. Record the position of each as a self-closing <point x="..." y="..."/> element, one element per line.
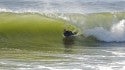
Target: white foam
<point x="116" y="33"/>
<point x="104" y="68"/>
<point x="5" y="10"/>
<point x="118" y="53"/>
<point x="112" y="67"/>
<point x="24" y="68"/>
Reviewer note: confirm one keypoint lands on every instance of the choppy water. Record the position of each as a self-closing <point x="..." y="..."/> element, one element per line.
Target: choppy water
<point x="23" y="46"/>
<point x="73" y="6"/>
<point x="105" y="57"/>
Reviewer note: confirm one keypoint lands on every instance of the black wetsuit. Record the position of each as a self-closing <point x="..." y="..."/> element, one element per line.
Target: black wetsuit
<point x="68" y="33"/>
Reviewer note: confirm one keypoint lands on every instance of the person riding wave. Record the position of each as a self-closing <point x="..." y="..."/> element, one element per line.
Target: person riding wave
<point x="68" y="33"/>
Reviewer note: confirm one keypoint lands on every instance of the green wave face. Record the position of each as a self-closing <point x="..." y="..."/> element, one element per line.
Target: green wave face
<point x="30" y="31"/>
<point x="28" y="36"/>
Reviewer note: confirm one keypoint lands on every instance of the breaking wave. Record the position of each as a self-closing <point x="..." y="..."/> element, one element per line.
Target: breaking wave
<point x="105" y="26"/>
<point x="108" y="27"/>
<point x="116" y="32"/>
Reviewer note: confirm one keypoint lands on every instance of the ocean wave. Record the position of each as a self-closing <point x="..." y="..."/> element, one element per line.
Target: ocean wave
<point x="107" y="26"/>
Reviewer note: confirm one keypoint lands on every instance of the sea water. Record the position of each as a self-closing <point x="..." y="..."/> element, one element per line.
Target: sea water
<point x="31" y="35"/>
